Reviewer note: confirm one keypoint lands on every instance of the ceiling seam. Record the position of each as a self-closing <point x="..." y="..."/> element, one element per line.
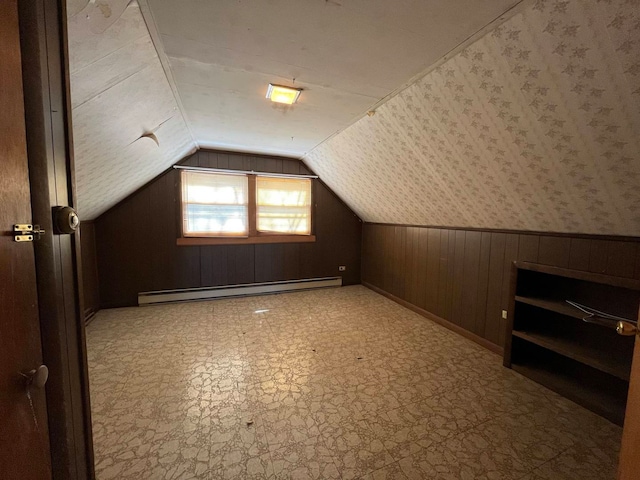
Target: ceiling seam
<point x="231" y="50"/>
<point x="156" y="40"/>
<point x="107" y="55"/>
<point x="500" y="19"/>
<point x="303" y="85"/>
<point x="112" y="86"/>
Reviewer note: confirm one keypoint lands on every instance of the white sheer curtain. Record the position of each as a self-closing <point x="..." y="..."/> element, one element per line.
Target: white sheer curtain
<point x="215" y="205"/>
<point x="283" y="205"/>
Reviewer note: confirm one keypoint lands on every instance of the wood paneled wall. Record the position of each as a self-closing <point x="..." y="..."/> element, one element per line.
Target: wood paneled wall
<point x="90" y="283"/>
<point x="137" y="252"/>
<point x="462" y="276"/>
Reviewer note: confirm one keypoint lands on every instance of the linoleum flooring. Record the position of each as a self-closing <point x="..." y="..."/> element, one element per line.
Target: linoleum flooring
<point x="337" y="383"/>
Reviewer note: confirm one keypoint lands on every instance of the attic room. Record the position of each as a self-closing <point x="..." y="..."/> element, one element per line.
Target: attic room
<point x="320" y="239"/>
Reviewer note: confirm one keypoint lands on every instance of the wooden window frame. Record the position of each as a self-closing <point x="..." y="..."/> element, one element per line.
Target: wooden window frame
<point x="254" y="237"/>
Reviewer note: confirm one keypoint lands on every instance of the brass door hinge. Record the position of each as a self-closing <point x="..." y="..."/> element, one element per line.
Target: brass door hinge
<point x="25" y="232"/>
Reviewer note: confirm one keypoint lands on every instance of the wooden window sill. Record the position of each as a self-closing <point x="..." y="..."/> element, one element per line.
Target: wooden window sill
<point x="186" y="241"/>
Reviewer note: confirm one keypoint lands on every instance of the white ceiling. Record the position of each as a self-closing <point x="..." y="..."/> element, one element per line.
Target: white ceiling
<point x="119" y="92"/>
<point x="346" y="54"/>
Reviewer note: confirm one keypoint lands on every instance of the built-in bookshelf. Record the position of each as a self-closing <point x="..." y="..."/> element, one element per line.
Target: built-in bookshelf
<point x="567" y="350"/>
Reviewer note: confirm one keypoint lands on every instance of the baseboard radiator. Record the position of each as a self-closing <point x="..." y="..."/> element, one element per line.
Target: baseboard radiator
<point x="207" y="293"/>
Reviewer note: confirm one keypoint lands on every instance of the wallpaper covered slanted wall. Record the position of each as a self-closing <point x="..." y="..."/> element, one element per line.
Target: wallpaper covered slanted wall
<point x="536" y="126"/>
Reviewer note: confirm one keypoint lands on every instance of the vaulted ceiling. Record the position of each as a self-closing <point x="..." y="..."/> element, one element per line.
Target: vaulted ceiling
<point x="522" y="120"/>
<point x="195" y="73"/>
<point x="347" y="55"/>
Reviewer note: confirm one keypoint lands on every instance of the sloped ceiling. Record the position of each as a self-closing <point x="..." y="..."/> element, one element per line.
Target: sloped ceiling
<point x="127" y="126"/>
<point x="536" y="126"/>
<point x="347" y="55"/>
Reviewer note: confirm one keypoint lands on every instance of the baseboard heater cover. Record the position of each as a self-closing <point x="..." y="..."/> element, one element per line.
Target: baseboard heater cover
<point x="206" y="293"/>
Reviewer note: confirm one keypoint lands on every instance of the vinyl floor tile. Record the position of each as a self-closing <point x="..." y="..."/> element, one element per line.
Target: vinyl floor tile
<point x="326" y="384"/>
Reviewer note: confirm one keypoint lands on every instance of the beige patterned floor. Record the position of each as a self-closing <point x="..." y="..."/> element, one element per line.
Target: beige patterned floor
<point x="335" y="383"/>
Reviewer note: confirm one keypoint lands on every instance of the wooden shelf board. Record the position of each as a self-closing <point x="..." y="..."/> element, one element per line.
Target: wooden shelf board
<point x="553" y="305"/>
<point x="628" y="283"/>
<point x="598" y="401"/>
<point x="605" y="361"/>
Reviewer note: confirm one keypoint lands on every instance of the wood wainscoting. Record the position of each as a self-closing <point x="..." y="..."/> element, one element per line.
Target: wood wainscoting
<point x="461" y="278"/>
<point x="90" y="282"/>
<point x="137" y="251"/>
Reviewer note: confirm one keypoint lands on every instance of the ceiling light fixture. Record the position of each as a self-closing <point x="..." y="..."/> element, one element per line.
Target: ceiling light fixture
<point x="282" y="94"/>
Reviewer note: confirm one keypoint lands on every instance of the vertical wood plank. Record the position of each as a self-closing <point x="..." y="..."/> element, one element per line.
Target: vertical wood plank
<point x="91" y="283"/>
<point x="378" y="253"/>
<point x="291" y="261"/>
<point x="254" y="163"/>
<point x="433" y="270"/>
<point x="458" y="277"/>
<point x="223" y="160"/>
<point x="579" y="252"/>
<point x="528" y="246"/>
<point x="369" y="262"/>
<point x="213" y="265"/>
<point x="598" y="256"/>
<point x="388" y="249"/>
<point x="511" y="253"/>
<point x="310" y="260"/>
<point x="421" y="266"/>
<point x="621" y="259"/>
<point x="191" y="160"/>
<point x="554" y="251"/>
<point x="366" y="253"/>
<point x="469" y="281"/>
<point x="291" y="166"/>
<point x="237" y="162"/>
<point x="443" y="274"/>
<point x="497" y="263"/>
<point x="410" y="270"/>
<point x="483" y="284"/>
<point x="399" y="278"/>
<point x="240" y="264"/>
<point x="270" y="165"/>
<point x="262" y="263"/>
<point x="276" y="257"/>
<point x="303" y="169"/>
<point x="207" y="159"/>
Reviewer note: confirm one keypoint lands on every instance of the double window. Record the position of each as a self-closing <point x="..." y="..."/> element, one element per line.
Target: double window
<point x="228" y="206"/>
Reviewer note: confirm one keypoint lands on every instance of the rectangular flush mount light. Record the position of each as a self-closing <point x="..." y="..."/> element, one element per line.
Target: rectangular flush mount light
<point x="281" y="94"/>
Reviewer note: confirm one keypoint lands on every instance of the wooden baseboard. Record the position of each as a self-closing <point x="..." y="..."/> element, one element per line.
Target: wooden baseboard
<point x="89" y="313"/>
<point x="445" y="323"/>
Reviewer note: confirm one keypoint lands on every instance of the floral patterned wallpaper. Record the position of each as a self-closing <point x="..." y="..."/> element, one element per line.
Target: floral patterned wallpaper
<point x="536" y="126"/>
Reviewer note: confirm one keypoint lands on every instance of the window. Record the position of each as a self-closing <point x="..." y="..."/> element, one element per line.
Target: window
<point x="244" y="208"/>
<point x="283" y="205"/>
<point x="214" y="205"/>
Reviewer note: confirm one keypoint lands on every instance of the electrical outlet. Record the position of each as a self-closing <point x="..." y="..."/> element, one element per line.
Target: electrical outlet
<point x="504" y="314"/>
<point x="342" y="268"/>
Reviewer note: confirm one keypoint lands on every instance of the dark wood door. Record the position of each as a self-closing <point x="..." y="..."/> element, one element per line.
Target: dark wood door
<point x="24" y="439"/>
<point x="629" y="468"/>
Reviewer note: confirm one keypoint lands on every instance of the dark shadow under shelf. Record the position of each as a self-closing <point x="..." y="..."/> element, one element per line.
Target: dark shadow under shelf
<point x="600" y="392"/>
<point x="601" y="401"/>
<point x="614" y="363"/>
